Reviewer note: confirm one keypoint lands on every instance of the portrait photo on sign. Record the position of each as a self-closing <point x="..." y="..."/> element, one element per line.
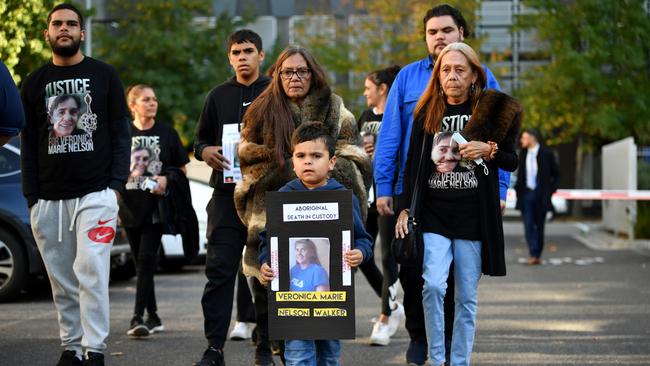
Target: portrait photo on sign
<point x="64" y="112"/>
<point x="309" y="263"/>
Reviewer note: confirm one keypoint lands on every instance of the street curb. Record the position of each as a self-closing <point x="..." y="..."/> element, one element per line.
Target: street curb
<point x="598" y="238"/>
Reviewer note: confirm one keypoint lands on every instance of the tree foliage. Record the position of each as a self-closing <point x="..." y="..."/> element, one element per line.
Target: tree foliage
<point x="22" y="46"/>
<point x="163" y="44"/>
<point x="596" y="86"/>
<point x="379" y="33"/>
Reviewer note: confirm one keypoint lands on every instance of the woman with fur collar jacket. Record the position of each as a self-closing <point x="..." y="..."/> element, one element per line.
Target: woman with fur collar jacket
<point x="457" y="210"/>
<point x="298" y="93"/>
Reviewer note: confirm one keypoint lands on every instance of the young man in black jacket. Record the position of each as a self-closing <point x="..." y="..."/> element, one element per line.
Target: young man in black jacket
<point x="71" y="180"/>
<point x="225" y="105"/>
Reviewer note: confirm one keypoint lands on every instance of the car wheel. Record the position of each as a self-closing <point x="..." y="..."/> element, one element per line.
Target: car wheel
<point x="13" y="266"/>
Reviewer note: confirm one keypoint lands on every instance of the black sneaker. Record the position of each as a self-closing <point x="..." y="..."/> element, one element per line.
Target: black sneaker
<point x="69" y="358"/>
<point x="276" y="348"/>
<point x="211" y="357"/>
<point x="263" y="355"/>
<point x="94" y="359"/>
<point x="153" y="323"/>
<point x="416" y="354"/>
<point x="137" y="329"/>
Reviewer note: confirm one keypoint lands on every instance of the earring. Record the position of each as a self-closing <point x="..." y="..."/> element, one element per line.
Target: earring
<point x="440" y="91"/>
<point x="472" y="88"/>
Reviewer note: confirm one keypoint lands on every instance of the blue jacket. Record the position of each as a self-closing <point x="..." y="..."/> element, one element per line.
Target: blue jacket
<point x="12" y="117"/>
<point x="362" y="240"/>
<point x="393" y="138"/>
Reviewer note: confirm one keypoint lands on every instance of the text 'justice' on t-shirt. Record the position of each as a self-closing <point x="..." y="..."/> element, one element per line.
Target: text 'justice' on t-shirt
<point x="451" y="203"/>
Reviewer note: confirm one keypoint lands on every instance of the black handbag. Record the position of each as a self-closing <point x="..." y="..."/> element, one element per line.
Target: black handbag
<point x="408" y="250"/>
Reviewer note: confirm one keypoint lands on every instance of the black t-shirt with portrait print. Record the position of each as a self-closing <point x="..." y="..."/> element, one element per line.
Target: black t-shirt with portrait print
<point x="76" y="138"/>
<point x="451" y="190"/>
<point x="153" y="151"/>
<point x="369" y="121"/>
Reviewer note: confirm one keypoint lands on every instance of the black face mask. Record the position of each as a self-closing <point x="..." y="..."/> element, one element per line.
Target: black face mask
<point x="65" y="51"/>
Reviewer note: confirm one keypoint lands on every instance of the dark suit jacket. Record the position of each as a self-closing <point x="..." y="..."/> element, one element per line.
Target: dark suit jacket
<point x="548" y="178"/>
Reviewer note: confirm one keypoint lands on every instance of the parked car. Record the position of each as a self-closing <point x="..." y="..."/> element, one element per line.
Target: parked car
<point x="19" y="256"/>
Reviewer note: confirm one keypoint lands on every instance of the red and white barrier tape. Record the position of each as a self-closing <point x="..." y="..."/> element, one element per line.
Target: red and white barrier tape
<point x="597" y="194"/>
<point x="603" y="194"/>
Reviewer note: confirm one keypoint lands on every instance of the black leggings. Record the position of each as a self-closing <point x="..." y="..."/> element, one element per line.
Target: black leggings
<point x="386" y="226"/>
<point x="145" y="242"/>
<point x="369" y="268"/>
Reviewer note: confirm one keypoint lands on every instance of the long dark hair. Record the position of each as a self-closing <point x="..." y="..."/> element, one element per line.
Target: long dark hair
<point x="384" y="76"/>
<point x="272" y="106"/>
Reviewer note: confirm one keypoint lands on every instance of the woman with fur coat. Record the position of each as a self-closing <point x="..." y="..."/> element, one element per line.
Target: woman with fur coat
<point x="458" y="212"/>
<point x="298" y="93"/>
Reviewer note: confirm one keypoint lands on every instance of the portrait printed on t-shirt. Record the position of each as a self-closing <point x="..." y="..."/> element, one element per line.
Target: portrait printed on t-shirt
<point x="145" y="160"/>
<point x="309" y="260"/>
<point x="450" y="170"/>
<point x="63" y="112"/>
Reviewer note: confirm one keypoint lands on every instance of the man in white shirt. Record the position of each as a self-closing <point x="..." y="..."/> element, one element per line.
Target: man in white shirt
<point x="537" y="180"/>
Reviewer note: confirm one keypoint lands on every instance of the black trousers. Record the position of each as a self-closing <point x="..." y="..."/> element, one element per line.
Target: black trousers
<point x="145" y="242"/>
<point x="226" y="240"/>
<point x="369" y="268"/>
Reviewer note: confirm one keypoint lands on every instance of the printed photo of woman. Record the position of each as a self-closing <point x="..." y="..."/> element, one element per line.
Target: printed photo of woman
<point x="308" y="274"/>
<point x="445" y="153"/>
<point x="63" y="112"/>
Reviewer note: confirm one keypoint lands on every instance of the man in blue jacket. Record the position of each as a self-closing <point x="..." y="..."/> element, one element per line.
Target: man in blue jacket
<point x="12" y="117"/>
<point x="443" y="25"/>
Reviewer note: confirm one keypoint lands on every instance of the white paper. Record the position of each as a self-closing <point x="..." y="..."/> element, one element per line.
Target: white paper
<point x="275" y="283"/>
<point x="230" y="144"/>
<point x="345" y="247"/>
<point x="310" y="211"/>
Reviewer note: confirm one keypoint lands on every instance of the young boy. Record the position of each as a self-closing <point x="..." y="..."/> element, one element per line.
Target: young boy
<point x="313" y="158"/>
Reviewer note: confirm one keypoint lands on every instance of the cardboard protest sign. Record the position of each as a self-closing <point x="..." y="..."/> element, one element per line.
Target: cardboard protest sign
<point x="312" y="296"/>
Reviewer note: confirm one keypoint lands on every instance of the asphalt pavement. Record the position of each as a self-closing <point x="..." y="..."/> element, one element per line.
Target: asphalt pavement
<point x="583" y="306"/>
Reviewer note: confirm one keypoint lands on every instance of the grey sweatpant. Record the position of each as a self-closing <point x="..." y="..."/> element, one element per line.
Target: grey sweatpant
<point x="75" y="237"/>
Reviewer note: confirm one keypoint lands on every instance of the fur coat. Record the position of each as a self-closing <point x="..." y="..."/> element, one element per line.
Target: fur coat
<point x="497" y="117"/>
<point x="261" y="172"/>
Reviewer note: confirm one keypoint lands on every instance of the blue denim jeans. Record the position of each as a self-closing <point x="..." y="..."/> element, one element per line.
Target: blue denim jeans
<point x="438" y="254"/>
<point x="299" y="352"/>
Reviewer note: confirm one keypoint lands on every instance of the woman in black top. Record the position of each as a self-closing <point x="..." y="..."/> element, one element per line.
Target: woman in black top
<point x="156" y="150"/>
<point x="376" y="87"/>
<point x="457" y="208"/>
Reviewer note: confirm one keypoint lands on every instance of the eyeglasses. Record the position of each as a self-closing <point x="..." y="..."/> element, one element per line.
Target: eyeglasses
<point x="287" y="74"/>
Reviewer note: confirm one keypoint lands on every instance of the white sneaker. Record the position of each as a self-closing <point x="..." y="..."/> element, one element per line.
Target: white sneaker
<point x="380" y="334"/>
<point x="242" y="331"/>
<point x="395" y="320"/>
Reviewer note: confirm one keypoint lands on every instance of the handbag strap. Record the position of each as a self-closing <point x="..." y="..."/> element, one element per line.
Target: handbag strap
<point x="416" y="188"/>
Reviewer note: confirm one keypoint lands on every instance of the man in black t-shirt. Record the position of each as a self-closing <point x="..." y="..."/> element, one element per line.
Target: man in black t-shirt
<point x="223" y="111"/>
<point x="71" y="180"/>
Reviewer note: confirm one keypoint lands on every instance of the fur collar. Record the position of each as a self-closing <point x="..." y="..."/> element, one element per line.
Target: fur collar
<point x="320" y="105"/>
<point x="496" y="116"/>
